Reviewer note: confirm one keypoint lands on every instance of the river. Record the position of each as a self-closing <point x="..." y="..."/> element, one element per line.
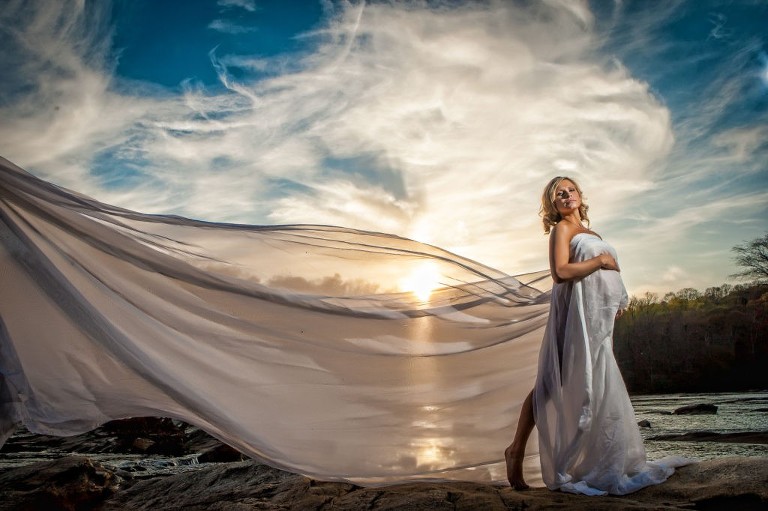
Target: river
<point x="737" y="412"/>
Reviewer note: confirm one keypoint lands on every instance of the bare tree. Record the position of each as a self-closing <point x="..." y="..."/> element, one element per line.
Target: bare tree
<point x="753" y="257"/>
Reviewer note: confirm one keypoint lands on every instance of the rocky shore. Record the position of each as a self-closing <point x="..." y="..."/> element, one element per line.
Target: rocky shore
<point x="76" y="483"/>
<point x="224" y="480"/>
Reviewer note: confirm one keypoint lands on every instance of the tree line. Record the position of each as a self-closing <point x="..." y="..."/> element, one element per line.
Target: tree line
<point x="690" y="341"/>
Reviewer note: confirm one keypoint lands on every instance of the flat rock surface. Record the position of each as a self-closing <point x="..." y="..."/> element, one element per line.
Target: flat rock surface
<point x="742" y="437"/>
<point x="696" y="409"/>
<point x="77" y="482"/>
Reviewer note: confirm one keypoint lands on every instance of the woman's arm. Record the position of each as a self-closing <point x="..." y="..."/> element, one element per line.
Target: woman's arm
<point x="560" y="253"/>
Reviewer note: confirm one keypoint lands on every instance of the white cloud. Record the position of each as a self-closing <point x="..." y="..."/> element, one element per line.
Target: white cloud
<point x="473" y="116"/>
<point x="248" y="5"/>
<point x="229" y="27"/>
<point x="438" y="123"/>
<point x="63" y="109"/>
<point x="741" y="143"/>
<point x="673" y="274"/>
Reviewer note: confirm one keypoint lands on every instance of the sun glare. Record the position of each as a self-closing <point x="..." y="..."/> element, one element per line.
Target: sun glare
<point x="429" y="454"/>
<point x="422" y="280"/>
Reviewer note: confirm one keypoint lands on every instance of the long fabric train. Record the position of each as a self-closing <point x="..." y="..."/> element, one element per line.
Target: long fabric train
<point x="295" y="344"/>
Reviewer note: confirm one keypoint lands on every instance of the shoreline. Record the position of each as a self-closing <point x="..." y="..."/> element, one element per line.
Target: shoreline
<point x="77" y="482"/>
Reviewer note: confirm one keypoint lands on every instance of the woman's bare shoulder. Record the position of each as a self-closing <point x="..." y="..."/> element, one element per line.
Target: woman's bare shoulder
<point x="564" y="230"/>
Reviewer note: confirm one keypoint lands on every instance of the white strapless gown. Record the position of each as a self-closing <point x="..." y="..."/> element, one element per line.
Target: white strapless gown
<point x="589" y="441"/>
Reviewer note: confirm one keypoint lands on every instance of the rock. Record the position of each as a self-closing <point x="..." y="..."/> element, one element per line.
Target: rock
<point x="142" y="444"/>
<point x="148" y="435"/>
<point x="210" y="449"/>
<point x="67" y="484"/>
<point x="141" y="435"/>
<point x="92" y="442"/>
<point x="70" y="483"/>
<point x="220" y="453"/>
<point x="645" y="423"/>
<point x="742" y="437"/>
<point x="697" y="409"/>
<point x="719" y="484"/>
<point x="242" y="485"/>
<point x="155" y="426"/>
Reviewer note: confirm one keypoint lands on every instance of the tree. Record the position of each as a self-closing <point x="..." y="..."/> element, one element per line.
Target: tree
<point x="688" y="294"/>
<point x="716" y="294"/>
<point x="753" y="257"/>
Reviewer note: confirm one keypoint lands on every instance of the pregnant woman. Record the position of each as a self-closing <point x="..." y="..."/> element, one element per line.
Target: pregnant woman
<point x="588" y="440"/>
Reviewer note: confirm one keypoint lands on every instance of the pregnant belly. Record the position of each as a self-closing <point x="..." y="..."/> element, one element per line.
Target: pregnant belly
<point x="604" y="289"/>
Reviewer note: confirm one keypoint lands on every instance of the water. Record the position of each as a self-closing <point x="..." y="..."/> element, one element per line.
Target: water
<point x="737" y="412"/>
<point x="139" y="465"/>
<point x="29" y="449"/>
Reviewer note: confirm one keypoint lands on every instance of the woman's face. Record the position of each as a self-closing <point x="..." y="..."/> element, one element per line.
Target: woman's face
<point x="567" y="197"/>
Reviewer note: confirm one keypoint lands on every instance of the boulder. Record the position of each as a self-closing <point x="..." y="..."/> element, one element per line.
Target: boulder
<point x="220" y="453"/>
<point x="740" y="437"/>
<point x="210" y="449"/>
<point x="720" y="484"/>
<point x="69" y="483"/>
<point x="697" y="409"/>
<point x="148" y="435"/>
<point x="142" y="444"/>
<point x="140" y="435"/>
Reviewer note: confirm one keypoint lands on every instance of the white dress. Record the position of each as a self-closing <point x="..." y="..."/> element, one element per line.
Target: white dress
<point x="589" y="441"/>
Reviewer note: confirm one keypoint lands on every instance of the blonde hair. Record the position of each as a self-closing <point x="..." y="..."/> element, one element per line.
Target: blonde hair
<point x="548" y="211"/>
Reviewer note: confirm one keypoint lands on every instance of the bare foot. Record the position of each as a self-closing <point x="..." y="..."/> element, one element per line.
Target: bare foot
<point x="515" y="469"/>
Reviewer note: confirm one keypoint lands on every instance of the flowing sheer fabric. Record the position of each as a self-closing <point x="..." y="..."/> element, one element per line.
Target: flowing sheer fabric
<point x="588" y="439"/>
<point x="295" y="344"/>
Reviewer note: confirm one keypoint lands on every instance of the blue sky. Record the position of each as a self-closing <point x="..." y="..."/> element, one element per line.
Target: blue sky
<point x="439" y="121"/>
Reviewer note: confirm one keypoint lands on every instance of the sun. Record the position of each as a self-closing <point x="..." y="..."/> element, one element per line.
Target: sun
<point x="422" y="280"/>
<point x="430" y="453"/>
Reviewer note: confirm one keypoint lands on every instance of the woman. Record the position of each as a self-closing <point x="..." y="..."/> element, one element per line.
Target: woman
<point x="588" y="440"/>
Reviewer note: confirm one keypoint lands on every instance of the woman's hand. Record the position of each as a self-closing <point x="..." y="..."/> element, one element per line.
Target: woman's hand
<point x="607" y="262"/>
<point x="620" y="313"/>
<point x="560" y="265"/>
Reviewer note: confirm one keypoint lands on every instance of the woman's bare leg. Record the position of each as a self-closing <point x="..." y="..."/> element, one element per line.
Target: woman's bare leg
<point x="515" y="453"/>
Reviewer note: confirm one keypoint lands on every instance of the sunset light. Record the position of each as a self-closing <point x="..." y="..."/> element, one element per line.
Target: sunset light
<point x="422" y="281"/>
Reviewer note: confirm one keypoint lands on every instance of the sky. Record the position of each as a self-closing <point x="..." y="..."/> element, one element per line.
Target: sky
<point x="437" y="121"/>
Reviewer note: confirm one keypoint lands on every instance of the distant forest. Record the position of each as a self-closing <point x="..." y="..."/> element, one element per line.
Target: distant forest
<point x="690" y="341"/>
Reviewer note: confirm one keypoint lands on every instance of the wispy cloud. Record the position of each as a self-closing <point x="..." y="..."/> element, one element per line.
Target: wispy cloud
<point x="439" y="123"/>
<point x="742" y="144"/>
<point x="63" y="108"/>
<point x="248" y="5"/>
<point x="229" y="27"/>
